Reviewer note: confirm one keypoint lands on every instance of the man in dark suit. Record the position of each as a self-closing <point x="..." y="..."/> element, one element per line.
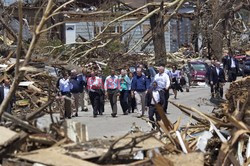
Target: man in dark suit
<point x="4" y="90"/>
<point x="217" y="79"/>
<point x="154" y="96"/>
<point x="232" y="67"/>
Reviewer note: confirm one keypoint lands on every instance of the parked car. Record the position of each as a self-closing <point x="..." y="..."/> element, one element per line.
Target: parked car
<point x="196" y="70"/>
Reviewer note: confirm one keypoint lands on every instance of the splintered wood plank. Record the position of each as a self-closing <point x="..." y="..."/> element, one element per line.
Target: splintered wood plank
<point x="6" y="134"/>
<point x="53" y="156"/>
<point x="149" y="143"/>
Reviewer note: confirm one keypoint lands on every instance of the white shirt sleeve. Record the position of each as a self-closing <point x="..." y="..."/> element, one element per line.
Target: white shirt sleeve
<point x="167" y="81"/>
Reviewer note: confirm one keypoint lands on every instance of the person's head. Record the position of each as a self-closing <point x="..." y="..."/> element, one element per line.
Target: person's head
<point x="92" y="73"/>
<point x="213" y="62"/>
<point x="6" y="82"/>
<point x="217" y="64"/>
<point x="208" y="62"/>
<point x="64" y="74"/>
<point x="139" y="71"/>
<point x="131" y="75"/>
<point x="84" y="71"/>
<point x="174" y="67"/>
<point x="161" y="69"/>
<point x="123" y="72"/>
<point x="154" y="85"/>
<point x="73" y="73"/>
<point x="99" y="72"/>
<point x="141" y="66"/>
<point x="112" y="72"/>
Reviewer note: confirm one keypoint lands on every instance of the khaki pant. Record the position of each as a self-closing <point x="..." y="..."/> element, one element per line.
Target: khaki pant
<point x="82" y="100"/>
<point x="140" y="98"/>
<point x="76" y="100"/>
<point x="66" y="102"/>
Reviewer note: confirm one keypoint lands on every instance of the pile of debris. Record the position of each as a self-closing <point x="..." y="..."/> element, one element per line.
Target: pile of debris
<point x="33" y="92"/>
<point x="219" y="139"/>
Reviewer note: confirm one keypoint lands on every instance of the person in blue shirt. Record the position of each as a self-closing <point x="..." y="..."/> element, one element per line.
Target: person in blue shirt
<point x="139" y="87"/>
<point x="64" y="87"/>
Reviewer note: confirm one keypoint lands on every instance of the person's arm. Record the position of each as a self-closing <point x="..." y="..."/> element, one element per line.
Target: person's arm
<point x="105" y="84"/>
<point x="211" y="76"/>
<point x="147" y="99"/>
<point x="133" y="84"/>
<point x="147" y="83"/>
<point x="223" y="75"/>
<point x="167" y="82"/>
<point x="1" y="94"/>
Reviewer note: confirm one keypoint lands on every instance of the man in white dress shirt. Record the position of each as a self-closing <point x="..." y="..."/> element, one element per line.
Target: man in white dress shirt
<point x="4" y="90"/>
<point x="163" y="82"/>
<point x="154" y="96"/>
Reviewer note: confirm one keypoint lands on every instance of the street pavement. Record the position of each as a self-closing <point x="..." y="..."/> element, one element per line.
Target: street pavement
<point x="106" y="126"/>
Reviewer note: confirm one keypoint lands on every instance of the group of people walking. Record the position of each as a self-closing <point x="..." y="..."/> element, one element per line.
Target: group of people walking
<point x="137" y="91"/>
<point x="217" y="75"/>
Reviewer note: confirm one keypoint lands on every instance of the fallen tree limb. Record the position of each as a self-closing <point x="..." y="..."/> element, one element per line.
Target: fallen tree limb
<point x="32" y="115"/>
<point x="21" y="123"/>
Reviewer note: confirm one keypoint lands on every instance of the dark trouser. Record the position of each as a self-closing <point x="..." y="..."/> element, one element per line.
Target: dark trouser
<point x="67" y="104"/>
<point x="95" y="101"/>
<point x="217" y="88"/>
<point x="152" y="111"/>
<point x="102" y="102"/>
<point x="211" y="89"/>
<point x="112" y="94"/>
<point x="9" y="109"/>
<point x="166" y="95"/>
<point x="131" y="103"/>
<point x="232" y="74"/>
<point x="124" y="100"/>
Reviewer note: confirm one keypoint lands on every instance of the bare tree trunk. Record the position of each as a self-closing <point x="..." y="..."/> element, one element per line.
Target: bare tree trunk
<point x="157" y="27"/>
<point x="217" y="32"/>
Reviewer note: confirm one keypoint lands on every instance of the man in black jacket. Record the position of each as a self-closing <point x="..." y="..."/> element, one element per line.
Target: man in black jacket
<point x="4" y="90"/>
<point x="217" y="79"/>
<point x="153" y="97"/>
<point x="232" y="66"/>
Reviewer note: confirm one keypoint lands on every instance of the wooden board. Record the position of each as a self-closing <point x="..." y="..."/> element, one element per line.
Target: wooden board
<point x="149" y="143"/>
<point x="190" y="159"/>
<point x="53" y="156"/>
<point x="6" y="134"/>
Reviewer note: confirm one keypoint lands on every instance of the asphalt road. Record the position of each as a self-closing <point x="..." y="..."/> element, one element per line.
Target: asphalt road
<point x="106" y="126"/>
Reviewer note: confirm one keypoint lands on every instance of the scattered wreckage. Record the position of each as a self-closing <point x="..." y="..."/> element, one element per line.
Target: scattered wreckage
<point x="220" y="138"/>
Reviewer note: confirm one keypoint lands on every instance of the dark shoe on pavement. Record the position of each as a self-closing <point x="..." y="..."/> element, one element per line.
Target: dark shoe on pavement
<point x="140" y="116"/>
<point x="125" y="113"/>
<point x="100" y="113"/>
<point x="85" y="110"/>
<point x="113" y="115"/>
<point x="95" y="116"/>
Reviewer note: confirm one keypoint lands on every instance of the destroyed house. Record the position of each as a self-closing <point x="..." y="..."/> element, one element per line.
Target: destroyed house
<point x="177" y="31"/>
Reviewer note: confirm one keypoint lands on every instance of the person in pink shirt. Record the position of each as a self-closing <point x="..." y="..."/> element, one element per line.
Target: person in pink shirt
<point x="94" y="86"/>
